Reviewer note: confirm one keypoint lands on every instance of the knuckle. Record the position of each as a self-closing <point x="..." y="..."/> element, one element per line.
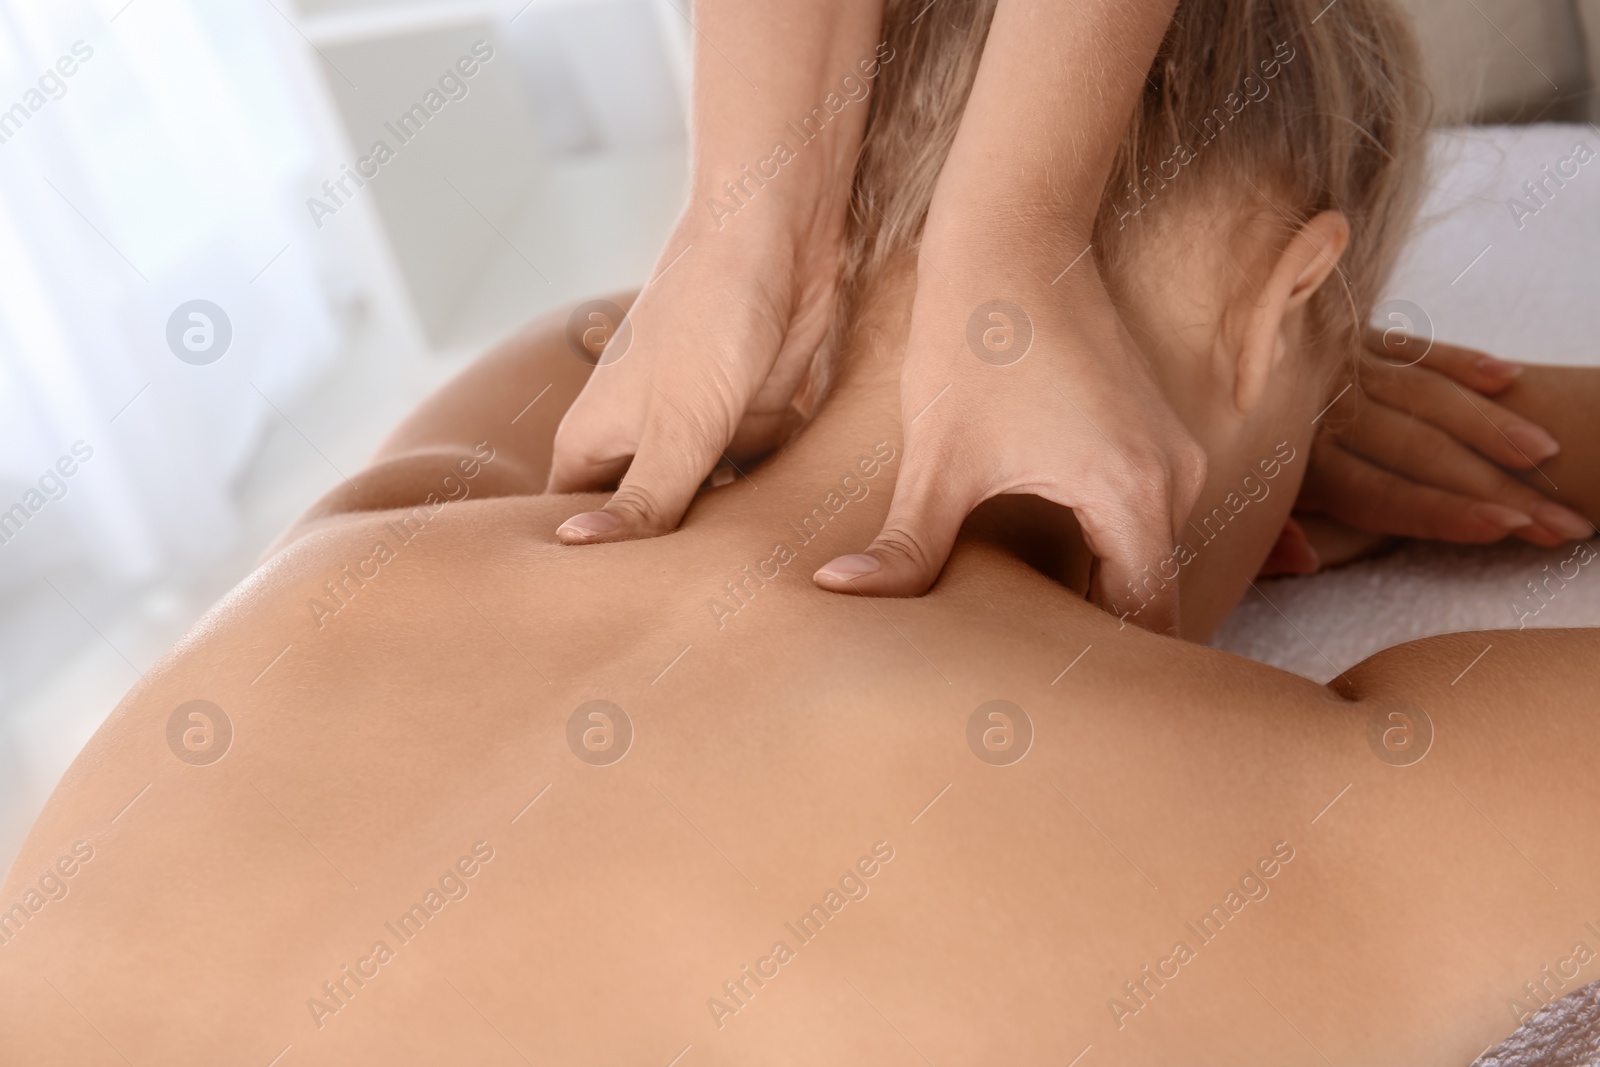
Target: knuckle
<point x="905" y="546"/>
<point x="1148" y="492"/>
<point x="1432" y="447"/>
<point x="582" y="454"/>
<point x="1189" y="473"/>
<point x="693" y="418"/>
<point x="594" y="433"/>
<point x="638" y="506"/>
<point x="571" y="443"/>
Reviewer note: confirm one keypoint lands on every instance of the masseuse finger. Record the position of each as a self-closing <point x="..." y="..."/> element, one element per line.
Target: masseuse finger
<point x="1503" y="436"/>
<point x="932" y="497"/>
<point x="594" y="441"/>
<point x="1427" y="454"/>
<point x="1136" y="573"/>
<point x="1367" y="497"/>
<point x="682" y="439"/>
<point x="1472" y="368"/>
<point x="1131" y="525"/>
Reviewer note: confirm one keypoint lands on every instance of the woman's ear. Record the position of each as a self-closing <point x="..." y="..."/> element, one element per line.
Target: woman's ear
<point x="1304" y="264"/>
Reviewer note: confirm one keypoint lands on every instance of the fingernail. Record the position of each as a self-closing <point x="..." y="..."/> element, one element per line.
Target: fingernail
<point x="1532" y="441"/>
<point x="1505" y="518"/>
<point x="1499" y="368"/>
<point x="847" y="567"/>
<point x="589" y="524"/>
<point x="1564" y="521"/>
<point x="1306" y="560"/>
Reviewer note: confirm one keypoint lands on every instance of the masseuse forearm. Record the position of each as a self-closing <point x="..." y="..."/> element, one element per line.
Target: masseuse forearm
<point x="760" y="68"/>
<point x="1053" y="96"/>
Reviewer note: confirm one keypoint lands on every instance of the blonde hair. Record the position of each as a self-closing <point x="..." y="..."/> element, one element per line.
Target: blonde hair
<point x="1302" y="105"/>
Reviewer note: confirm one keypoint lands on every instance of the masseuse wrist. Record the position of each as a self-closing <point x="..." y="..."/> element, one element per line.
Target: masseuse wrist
<point x="729" y="199"/>
<point x="763" y="236"/>
<point x="798" y="208"/>
<point x="1020" y="216"/>
<point x="1024" y="252"/>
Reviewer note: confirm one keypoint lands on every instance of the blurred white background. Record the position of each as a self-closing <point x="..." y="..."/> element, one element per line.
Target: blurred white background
<point x="176" y="162"/>
<point x="158" y="152"/>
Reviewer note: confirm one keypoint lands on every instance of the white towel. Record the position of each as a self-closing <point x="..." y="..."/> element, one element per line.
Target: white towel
<point x="1565" y="1033"/>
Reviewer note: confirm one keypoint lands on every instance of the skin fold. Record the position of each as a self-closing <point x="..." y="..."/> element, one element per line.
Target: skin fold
<point x="785" y="742"/>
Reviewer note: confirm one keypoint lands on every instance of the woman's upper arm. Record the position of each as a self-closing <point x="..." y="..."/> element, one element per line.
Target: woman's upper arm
<point x="487" y="432"/>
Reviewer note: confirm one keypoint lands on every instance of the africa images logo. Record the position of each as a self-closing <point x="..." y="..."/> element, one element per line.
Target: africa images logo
<point x="852" y="90"/>
<point x="853" y="886"/>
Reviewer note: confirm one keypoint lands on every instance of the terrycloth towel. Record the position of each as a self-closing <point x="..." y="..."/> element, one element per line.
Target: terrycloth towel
<point x="1324" y="624"/>
<point x="1496" y="267"/>
<point x="1563" y="1034"/>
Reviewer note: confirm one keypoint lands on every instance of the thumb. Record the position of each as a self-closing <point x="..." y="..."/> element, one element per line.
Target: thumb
<point x="925" y="514"/>
<point x="676" y="451"/>
<point x="1130" y="553"/>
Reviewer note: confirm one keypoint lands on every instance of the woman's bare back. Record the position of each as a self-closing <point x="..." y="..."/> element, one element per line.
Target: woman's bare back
<point x="457" y="792"/>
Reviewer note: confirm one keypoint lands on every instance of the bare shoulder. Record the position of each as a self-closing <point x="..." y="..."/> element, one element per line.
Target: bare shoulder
<point x="489" y="431"/>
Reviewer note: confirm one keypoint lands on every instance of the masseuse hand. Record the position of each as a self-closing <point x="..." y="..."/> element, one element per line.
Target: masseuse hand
<point x="1048" y="396"/>
<point x="1075" y="416"/>
<point x="721" y="338"/>
<point x="716" y="349"/>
